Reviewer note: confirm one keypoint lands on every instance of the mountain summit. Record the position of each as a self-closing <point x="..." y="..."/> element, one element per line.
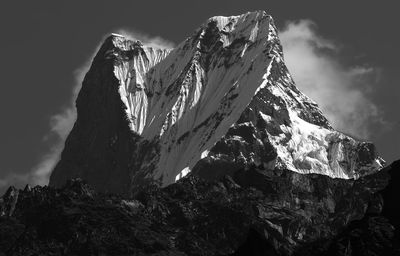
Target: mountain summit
<point x="221" y="101"/>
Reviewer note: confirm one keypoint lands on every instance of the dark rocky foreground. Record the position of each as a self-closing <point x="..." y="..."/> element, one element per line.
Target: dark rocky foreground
<point x="251" y="213"/>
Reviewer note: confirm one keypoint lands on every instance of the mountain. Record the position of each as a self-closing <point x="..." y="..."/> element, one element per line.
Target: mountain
<point x="205" y="149"/>
<point x="221" y="101"/>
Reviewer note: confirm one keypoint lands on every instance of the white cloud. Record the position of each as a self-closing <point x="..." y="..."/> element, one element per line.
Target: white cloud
<point x="152" y="41"/>
<point x="341" y="91"/>
<point x="60" y="126"/>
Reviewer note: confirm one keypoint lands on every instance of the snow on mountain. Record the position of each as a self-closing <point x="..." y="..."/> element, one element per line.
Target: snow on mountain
<point x="222" y="100"/>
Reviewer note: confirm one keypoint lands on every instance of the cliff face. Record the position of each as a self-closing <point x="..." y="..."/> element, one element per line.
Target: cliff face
<point x="221" y="101"/>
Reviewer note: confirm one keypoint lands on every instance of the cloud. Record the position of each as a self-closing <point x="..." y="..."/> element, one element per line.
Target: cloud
<point x="152" y="41"/>
<point x="60" y="126"/>
<point x="340" y="90"/>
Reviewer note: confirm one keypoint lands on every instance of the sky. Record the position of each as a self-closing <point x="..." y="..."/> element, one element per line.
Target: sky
<point x="343" y="54"/>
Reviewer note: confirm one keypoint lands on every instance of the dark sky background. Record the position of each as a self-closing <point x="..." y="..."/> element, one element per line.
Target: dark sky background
<point x="43" y="42"/>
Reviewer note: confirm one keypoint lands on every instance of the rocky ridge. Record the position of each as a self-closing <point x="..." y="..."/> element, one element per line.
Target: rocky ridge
<point x="285" y="213"/>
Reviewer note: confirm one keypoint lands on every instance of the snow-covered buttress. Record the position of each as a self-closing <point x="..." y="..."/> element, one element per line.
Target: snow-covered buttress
<point x="222" y="100"/>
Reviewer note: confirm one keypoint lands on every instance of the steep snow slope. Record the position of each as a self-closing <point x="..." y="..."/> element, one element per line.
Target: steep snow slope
<point x="222" y="100"/>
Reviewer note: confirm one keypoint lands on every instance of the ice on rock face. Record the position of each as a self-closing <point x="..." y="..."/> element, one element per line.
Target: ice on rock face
<point x="315" y="149"/>
<point x="192" y="97"/>
<point x="132" y="77"/>
<point x="225" y="96"/>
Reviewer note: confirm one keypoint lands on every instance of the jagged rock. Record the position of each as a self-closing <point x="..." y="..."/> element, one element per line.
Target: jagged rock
<point x="8" y="201"/>
<point x="377" y="233"/>
<point x="221" y="101"/>
<point x="251" y="213"/>
<point x="391" y="207"/>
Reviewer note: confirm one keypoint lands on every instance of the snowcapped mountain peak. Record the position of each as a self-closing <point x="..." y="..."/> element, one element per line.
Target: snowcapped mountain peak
<point x="245" y="25"/>
<point x="222" y="100"/>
